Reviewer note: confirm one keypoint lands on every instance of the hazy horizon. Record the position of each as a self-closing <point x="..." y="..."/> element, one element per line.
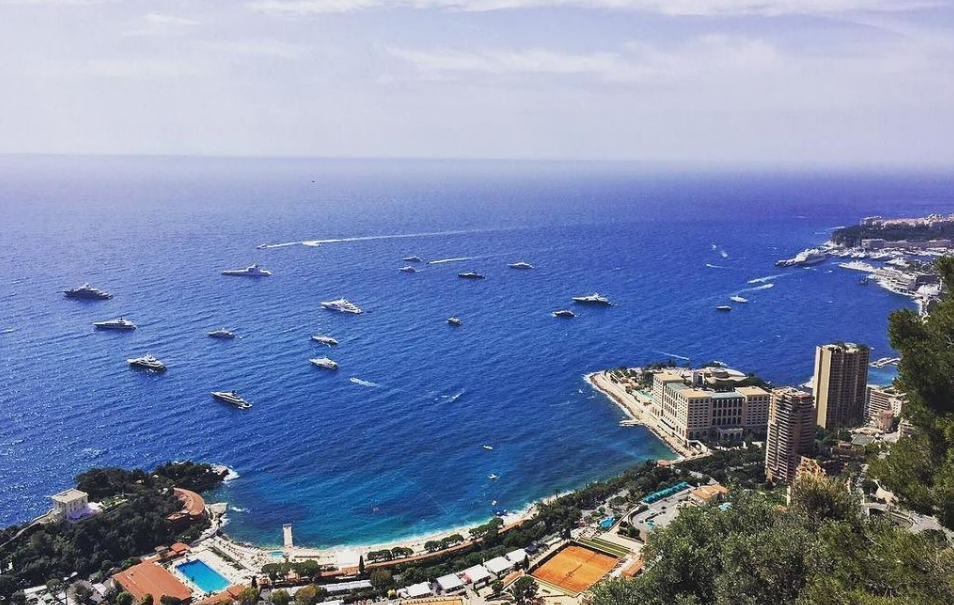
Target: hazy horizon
<point x="734" y="82"/>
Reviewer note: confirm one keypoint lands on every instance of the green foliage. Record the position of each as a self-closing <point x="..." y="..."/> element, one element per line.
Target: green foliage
<point x="523" y="590"/>
<point x="308" y="595"/>
<point x="124" y="598"/>
<point x="381" y="578"/>
<point x="280" y="597"/>
<point x="817" y="552"/>
<point x="105" y="541"/>
<point x="920" y="470"/>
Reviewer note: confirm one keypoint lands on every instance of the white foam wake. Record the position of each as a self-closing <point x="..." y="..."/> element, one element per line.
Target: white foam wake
<point x="441" y="261"/>
<point x="759" y="280"/>
<point x="364" y="383"/>
<point x="673" y="355"/>
<point x="371" y="238"/>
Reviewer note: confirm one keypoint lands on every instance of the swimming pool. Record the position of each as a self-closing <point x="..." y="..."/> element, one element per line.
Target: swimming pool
<point x="203" y="576"/>
<point x="607" y="522"/>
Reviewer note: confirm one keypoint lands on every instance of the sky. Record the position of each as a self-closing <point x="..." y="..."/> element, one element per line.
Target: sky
<point x="789" y="81"/>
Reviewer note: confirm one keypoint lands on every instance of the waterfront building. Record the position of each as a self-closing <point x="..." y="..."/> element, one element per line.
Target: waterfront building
<point x="840" y="383"/>
<point x="884" y="401"/>
<point x="791" y="433"/>
<point x="698" y="406"/>
<point x="70" y="504"/>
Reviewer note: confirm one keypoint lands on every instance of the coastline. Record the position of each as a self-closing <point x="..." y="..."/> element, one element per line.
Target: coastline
<point x="638" y="414"/>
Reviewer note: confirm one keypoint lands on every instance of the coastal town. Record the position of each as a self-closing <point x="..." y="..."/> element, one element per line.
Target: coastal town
<point x="720" y="422"/>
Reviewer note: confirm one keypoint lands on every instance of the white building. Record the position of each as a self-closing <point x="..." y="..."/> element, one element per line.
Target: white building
<point x="70" y="504"/>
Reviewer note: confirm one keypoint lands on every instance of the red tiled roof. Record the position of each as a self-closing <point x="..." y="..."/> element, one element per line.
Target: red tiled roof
<point x="150" y="579"/>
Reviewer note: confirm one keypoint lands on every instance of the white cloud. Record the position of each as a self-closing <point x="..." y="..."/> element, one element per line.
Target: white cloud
<point x="160" y="25"/>
<point x="138" y="67"/>
<point x="665" y="7"/>
<point x="633" y="63"/>
<point x="258" y="48"/>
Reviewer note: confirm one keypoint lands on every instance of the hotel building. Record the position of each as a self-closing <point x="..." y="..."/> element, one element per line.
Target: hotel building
<point x="791" y="433"/>
<point x="840" y="383"/>
<point x="692" y="410"/>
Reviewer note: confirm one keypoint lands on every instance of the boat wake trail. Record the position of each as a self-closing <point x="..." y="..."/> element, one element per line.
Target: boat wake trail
<point x="711" y="266"/>
<point x="283" y="245"/>
<point x="757" y="288"/>
<point x="673" y="355"/>
<point x="759" y="280"/>
<point x="371" y="238"/>
<point x="455" y="397"/>
<point x="364" y="383"/>
<point x="441" y="261"/>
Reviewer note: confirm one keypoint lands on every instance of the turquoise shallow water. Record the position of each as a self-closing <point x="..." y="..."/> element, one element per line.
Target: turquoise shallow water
<point x="203" y="576"/>
<point x="390" y="445"/>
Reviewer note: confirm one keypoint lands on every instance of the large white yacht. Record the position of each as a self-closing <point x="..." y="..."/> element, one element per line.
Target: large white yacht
<point x="250" y="271"/>
<point x="120" y="323"/>
<point x="520" y="265"/>
<point x="325" y="340"/>
<point x="222" y="333"/>
<point x="233" y="398"/>
<point x="342" y="305"/>
<point x="470" y="275"/>
<point x="147" y="362"/>
<point x="805" y="258"/>
<point x="565" y="313"/>
<point x="592" y="299"/>
<point x="87" y="292"/>
<point x="738" y="299"/>
<point x="325" y="363"/>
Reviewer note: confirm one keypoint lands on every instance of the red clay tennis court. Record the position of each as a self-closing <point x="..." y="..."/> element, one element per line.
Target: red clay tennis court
<point x="575" y="568"/>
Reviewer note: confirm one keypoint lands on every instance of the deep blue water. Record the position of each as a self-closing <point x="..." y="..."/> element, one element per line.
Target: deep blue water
<point x="353" y="463"/>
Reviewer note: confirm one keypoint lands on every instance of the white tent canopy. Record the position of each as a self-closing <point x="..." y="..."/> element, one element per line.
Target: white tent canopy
<point x="475" y="574"/>
<point x="516" y="556"/>
<point x="417" y="590"/>
<point x="449" y="582"/>
<point x="498" y="566"/>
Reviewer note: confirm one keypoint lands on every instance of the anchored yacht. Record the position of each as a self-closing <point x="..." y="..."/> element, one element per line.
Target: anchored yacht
<point x="520" y="265"/>
<point x="470" y="275"/>
<point x="115" y="324"/>
<point x="455" y="321"/>
<point x="147" y="362"/>
<point x="412" y="259"/>
<point x="593" y="299"/>
<point x="566" y="313"/>
<point x="325" y="340"/>
<point x="724" y="308"/>
<point x="325" y="363"/>
<point x="233" y="398"/>
<point x="222" y="333"/>
<point x="409" y="269"/>
<point x="738" y="299"/>
<point x="87" y="292"/>
<point x="250" y="271"/>
<point x="342" y="305"/>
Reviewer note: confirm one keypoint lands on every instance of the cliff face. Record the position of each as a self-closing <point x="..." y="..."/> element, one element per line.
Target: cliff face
<point x="852" y="236"/>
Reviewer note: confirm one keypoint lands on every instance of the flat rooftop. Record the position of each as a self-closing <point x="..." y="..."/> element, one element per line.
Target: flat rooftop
<point x="69" y="495"/>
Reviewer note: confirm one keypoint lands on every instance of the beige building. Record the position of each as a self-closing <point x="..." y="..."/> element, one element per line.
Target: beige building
<point x="882" y="400"/>
<point x="70" y="504"/>
<point x="791" y="433"/>
<point x="691" y="410"/>
<point x="840" y="384"/>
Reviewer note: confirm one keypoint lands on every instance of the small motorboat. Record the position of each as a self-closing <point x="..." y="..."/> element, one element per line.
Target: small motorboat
<point x="723" y="308"/>
<point x="455" y="321"/>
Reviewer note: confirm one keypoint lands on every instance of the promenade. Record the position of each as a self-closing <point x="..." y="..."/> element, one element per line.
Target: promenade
<point x="639" y="412"/>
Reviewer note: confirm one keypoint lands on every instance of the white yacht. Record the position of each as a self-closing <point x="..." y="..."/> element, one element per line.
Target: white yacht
<point x="222" y="333"/>
<point x="120" y="323"/>
<point x="489" y="448"/>
<point x="593" y="299"/>
<point x="520" y="265"/>
<point x="233" y="398"/>
<point x="565" y="313"/>
<point x="147" y="362"/>
<point x="455" y="321"/>
<point x="806" y="258"/>
<point x="412" y="259"/>
<point x="342" y="305"/>
<point x="493" y="476"/>
<point x="724" y="308"/>
<point x="325" y="340"/>
<point x="250" y="271"/>
<point x="738" y="299"/>
<point x="325" y="363"/>
<point x="408" y="269"/>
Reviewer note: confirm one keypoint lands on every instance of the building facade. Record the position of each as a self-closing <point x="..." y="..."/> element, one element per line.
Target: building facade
<point x="884" y="401"/>
<point x="791" y="433"/>
<point x="693" y="411"/>
<point x="70" y="504"/>
<point x="840" y="384"/>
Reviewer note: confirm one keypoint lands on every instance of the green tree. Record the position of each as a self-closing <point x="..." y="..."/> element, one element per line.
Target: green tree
<point x="523" y="591"/>
<point x="280" y="597"/>
<point x="496" y="588"/>
<point x="380" y="578"/>
<point x="124" y="598"/>
<point x="170" y="600"/>
<point x="920" y="470"/>
<point x="146" y="600"/>
<point x="248" y="596"/>
<point x="307" y="595"/>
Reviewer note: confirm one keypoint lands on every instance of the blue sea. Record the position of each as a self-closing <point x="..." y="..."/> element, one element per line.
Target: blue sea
<point x="390" y="446"/>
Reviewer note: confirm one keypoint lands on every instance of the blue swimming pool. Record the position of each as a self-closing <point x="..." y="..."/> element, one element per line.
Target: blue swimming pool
<point x="203" y="576"/>
<point x="607" y="522"/>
